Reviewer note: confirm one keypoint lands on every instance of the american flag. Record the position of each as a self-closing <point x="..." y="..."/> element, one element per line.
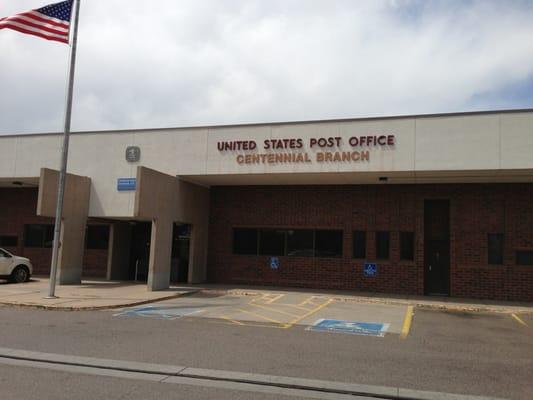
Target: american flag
<point x="50" y="22"/>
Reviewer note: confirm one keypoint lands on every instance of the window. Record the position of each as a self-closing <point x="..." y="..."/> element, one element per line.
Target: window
<point x="407" y="246"/>
<point x="524" y="257"/>
<point x="8" y="241"/>
<point x="382" y="245"/>
<point x="245" y="241"/>
<point x="359" y="244"/>
<point x="300" y="243"/>
<point x="272" y="242"/>
<point x="287" y="242"/>
<point x="328" y="243"/>
<point x="495" y="248"/>
<point x="38" y="235"/>
<point x="97" y="237"/>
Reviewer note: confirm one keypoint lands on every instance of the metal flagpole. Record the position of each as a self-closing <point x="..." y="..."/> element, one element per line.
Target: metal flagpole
<point x="64" y="155"/>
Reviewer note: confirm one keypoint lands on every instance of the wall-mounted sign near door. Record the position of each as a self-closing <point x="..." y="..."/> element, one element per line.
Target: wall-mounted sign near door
<point x="125" y="184"/>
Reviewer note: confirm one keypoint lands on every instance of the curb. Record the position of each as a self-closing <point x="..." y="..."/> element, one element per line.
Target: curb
<point x="173" y="371"/>
<point x="96" y="308"/>
<point x="417" y="304"/>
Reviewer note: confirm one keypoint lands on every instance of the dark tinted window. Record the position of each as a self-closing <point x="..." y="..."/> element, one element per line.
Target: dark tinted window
<point x="495" y="248"/>
<point x="8" y="241"/>
<point x="272" y="242"/>
<point x="97" y="236"/>
<point x="38" y="235"/>
<point x="382" y="245"/>
<point x="328" y="243"/>
<point x="524" y="257"/>
<point x="245" y="241"/>
<point x="359" y="244"/>
<point x="300" y="243"/>
<point x="407" y="246"/>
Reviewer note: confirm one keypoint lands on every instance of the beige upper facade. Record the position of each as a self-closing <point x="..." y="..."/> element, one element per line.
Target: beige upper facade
<point x="470" y="147"/>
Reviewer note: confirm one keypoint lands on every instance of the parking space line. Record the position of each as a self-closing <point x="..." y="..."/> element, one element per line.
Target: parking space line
<point x="261" y="316"/>
<point x="407" y="322"/>
<point x="311" y="312"/>
<point x="294" y="306"/>
<point x="303" y="303"/>
<point x="275" y="298"/>
<point x="273" y="310"/>
<point x="519" y="320"/>
<point x="231" y="320"/>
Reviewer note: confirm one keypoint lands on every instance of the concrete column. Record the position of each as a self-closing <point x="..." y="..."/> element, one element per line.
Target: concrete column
<point x="74" y="221"/>
<point x="166" y="199"/>
<point x="160" y="252"/>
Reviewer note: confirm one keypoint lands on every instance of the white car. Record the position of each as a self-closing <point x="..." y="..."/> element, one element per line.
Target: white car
<point x="16" y="269"/>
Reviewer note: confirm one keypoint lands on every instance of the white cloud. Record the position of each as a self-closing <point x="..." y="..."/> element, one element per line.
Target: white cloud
<point x="209" y="62"/>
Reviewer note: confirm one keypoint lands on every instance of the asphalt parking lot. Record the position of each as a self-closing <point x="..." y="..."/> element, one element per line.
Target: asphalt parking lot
<point x="283" y="311"/>
<point x="478" y="353"/>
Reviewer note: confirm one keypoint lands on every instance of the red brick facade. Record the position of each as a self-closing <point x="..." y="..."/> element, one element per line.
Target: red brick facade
<point x="18" y="208"/>
<point x="475" y="211"/>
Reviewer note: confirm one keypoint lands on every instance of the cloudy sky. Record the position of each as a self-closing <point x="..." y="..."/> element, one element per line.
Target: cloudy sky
<point x="197" y="62"/>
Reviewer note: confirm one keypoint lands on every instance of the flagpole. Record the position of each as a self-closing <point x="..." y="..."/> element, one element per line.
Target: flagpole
<point x="64" y="155"/>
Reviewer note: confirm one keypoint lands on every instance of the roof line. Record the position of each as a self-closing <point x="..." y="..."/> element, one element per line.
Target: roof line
<point x="296" y="122"/>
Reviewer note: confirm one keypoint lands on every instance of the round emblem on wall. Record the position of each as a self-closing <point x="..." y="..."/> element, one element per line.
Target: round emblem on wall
<point x="133" y="153"/>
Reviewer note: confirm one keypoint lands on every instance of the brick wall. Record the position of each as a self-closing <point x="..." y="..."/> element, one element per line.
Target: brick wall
<point x="475" y="211"/>
<point x="17" y="208"/>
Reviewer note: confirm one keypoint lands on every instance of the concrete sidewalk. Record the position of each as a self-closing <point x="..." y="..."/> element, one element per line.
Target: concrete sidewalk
<point x="90" y="295"/>
<point x="428" y="302"/>
<point x="101" y="294"/>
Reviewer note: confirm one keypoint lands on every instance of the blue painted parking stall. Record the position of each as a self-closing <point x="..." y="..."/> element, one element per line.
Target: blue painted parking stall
<point x="351" y="327"/>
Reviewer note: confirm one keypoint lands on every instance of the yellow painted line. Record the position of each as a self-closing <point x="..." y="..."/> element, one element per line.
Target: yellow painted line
<point x="518" y="319"/>
<point x="275" y="298"/>
<point x="303" y="303"/>
<point x="407" y="322"/>
<point x="271" y="308"/>
<point x="261" y="316"/>
<point x="231" y="320"/>
<point x="293" y="306"/>
<point x="314" y="310"/>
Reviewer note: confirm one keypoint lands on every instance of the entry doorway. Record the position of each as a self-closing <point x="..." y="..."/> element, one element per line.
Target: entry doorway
<point x="437" y="247"/>
<point x="141" y="234"/>
<point x="181" y="240"/>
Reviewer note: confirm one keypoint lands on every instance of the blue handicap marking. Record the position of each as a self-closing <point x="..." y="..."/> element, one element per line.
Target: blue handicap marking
<point x="158" y="312"/>
<point x="274" y="262"/>
<point x="357" y="328"/>
<point x="370" y="269"/>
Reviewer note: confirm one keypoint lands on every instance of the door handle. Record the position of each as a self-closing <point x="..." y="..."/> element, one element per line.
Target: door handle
<point x="430" y="268"/>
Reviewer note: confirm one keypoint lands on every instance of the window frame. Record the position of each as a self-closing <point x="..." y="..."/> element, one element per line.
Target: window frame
<point x="413" y="245"/>
<point x="3" y="237"/>
<point x="378" y="257"/>
<point x="354" y="235"/>
<point x="87" y="236"/>
<point x="47" y="232"/>
<point x="233" y="252"/>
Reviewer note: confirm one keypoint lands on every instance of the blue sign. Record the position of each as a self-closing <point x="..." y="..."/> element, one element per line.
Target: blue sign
<point x="274" y="262"/>
<point x="353" y="327"/>
<point x="370" y="269"/>
<point x="124" y="184"/>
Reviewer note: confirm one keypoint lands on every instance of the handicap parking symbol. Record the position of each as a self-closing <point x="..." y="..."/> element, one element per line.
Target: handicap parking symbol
<point x="354" y="327"/>
<point x="274" y="262"/>
<point x="370" y="269"/>
<point x="168" y="313"/>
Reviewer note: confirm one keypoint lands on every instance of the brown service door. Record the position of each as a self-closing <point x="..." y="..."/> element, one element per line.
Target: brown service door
<point x="437" y="247"/>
